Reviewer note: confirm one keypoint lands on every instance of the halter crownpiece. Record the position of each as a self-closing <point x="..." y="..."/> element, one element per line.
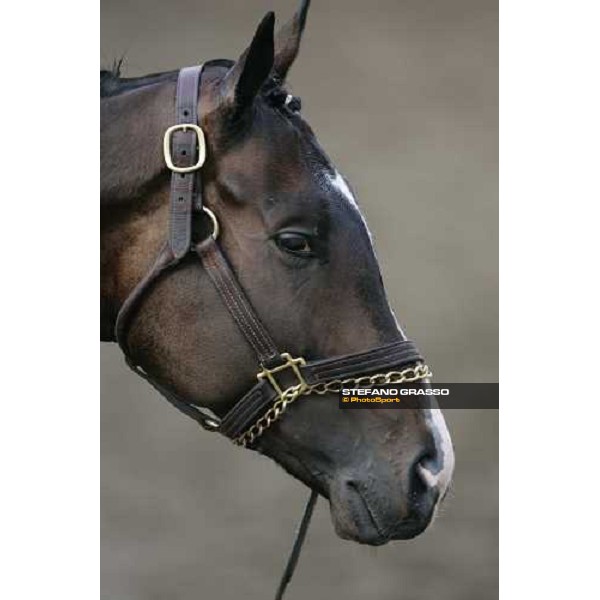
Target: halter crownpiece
<point x="282" y="378"/>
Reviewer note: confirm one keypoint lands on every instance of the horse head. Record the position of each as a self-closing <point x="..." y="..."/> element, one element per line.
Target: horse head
<point x="296" y="239"/>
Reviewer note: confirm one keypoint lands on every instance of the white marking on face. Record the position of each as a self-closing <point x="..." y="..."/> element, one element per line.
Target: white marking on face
<point x="400" y="330"/>
<point x="445" y="455"/>
<point x="339" y="183"/>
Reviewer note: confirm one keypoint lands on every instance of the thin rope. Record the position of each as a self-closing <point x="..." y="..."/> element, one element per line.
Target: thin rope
<point x="297" y="547"/>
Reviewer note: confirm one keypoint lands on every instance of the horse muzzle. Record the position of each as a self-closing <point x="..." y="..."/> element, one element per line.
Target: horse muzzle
<point x="373" y="509"/>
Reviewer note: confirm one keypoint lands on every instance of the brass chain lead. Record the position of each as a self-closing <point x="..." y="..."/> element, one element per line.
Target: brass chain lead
<point x="289" y="395"/>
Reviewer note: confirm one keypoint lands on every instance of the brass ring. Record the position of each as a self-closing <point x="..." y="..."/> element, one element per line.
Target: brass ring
<point x="215" y="223"/>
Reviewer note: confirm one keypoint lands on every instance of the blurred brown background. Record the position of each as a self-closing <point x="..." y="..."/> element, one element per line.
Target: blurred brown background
<point x="403" y="96"/>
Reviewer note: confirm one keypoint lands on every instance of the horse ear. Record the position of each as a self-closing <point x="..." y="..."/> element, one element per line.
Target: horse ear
<point x="287" y="42"/>
<point x="244" y="79"/>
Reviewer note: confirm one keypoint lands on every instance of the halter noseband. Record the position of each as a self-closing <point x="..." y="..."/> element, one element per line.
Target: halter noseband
<point x="282" y="378"/>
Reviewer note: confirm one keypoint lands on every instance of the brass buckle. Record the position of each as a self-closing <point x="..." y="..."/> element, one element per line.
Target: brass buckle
<point x="290" y="363"/>
<point x="201" y="147"/>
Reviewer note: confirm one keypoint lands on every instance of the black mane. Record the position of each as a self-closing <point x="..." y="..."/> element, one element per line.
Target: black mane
<point x="112" y="84"/>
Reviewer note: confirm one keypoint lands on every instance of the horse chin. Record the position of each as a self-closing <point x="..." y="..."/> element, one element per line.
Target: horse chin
<point x="355" y="520"/>
<point x="360" y="527"/>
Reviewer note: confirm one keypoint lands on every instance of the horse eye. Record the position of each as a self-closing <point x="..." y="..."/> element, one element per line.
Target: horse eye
<point x="295" y="243"/>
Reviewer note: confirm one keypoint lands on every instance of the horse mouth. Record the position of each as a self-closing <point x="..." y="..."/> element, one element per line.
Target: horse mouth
<point x="359" y="524"/>
<point x="355" y="519"/>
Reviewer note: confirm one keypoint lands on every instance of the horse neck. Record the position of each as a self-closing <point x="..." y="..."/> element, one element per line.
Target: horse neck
<point x="134" y="192"/>
<point x="131" y="128"/>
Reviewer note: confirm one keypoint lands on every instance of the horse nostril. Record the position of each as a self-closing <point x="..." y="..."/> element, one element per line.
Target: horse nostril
<point x="420" y="476"/>
<point x="427" y="469"/>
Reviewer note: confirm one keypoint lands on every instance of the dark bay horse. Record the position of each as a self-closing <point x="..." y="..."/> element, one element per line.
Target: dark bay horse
<point x="299" y="246"/>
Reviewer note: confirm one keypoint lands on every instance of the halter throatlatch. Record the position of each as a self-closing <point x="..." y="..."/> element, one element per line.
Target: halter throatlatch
<point x="282" y="378"/>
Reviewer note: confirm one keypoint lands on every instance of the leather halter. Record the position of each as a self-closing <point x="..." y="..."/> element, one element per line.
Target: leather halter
<point x="185" y="147"/>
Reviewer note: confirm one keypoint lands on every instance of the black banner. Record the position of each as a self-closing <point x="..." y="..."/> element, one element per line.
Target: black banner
<point x="421" y="395"/>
